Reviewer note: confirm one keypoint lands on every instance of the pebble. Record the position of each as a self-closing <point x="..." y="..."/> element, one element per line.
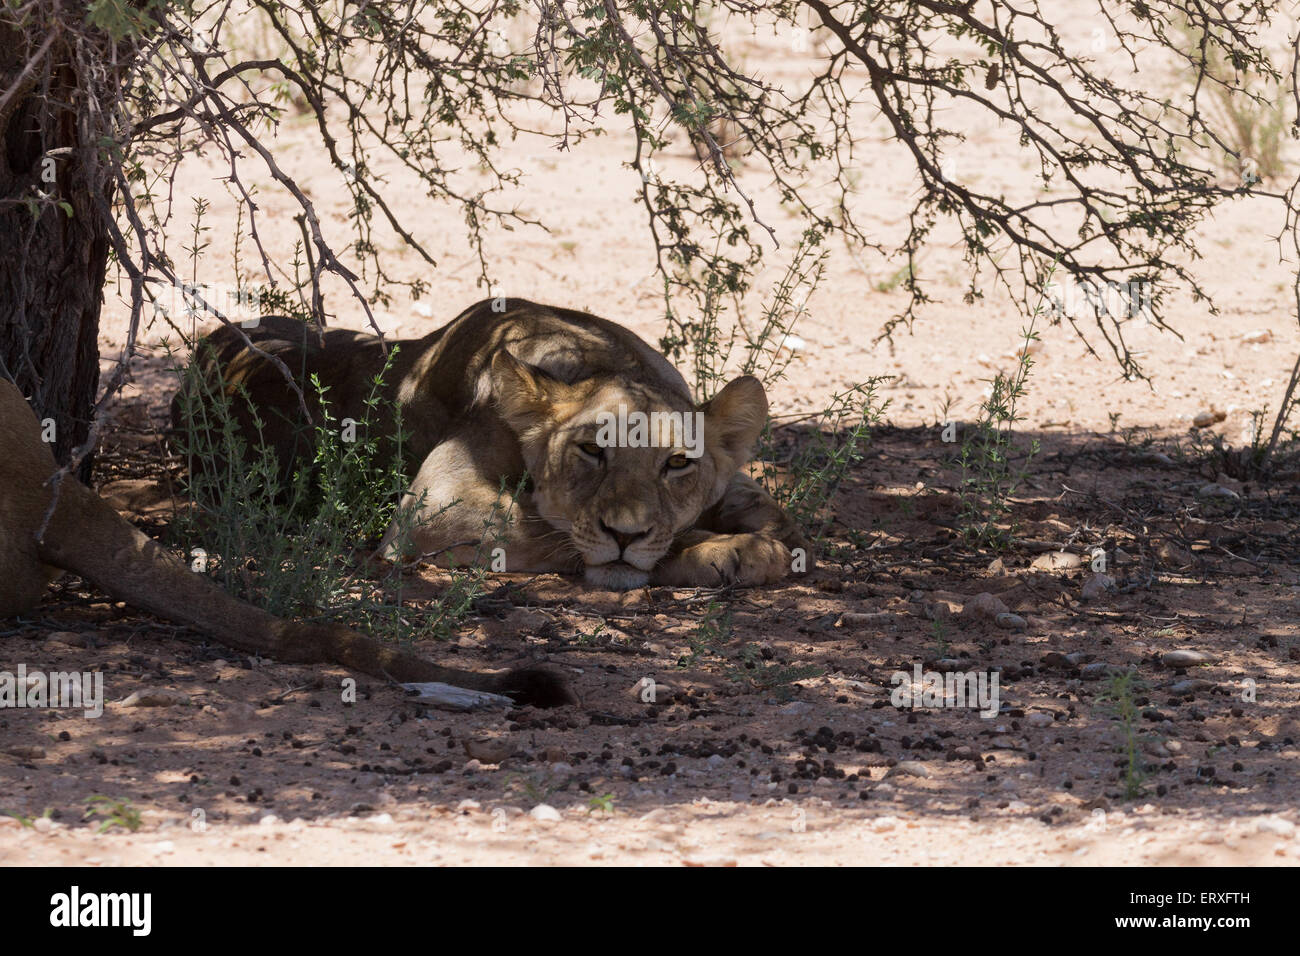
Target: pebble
<point x="1275" y="825"/>
<point x="983" y="606"/>
<point x="1040" y="719"/>
<point x="883" y="824"/>
<point x="649" y="691"/>
<point x="1190" y="686"/>
<point x="1215" y="490"/>
<point x="1056" y="561"/>
<point x="908" y="768"/>
<point x="856" y="619"/>
<point x="545" y="813"/>
<point x="796" y="708"/>
<point x="1012" y="622"/>
<point x="157" y="697"/>
<point x="1096" y="670"/>
<point x="1186" y="659"/>
<point x="1097" y="586"/>
<point x="488" y="749"/>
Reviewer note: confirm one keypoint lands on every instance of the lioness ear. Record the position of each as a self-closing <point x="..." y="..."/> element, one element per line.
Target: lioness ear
<point x="521" y="392"/>
<point x="734" y="418"/>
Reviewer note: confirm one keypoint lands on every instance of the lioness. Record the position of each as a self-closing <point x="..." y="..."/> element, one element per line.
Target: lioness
<point x="86" y="536"/>
<point x="511" y="396"/>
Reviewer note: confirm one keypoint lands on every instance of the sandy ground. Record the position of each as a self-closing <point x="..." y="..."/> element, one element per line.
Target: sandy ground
<point x="262" y="763"/>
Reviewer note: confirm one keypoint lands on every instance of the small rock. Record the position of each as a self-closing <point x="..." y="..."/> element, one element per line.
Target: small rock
<point x="1097" y="586"/>
<point x="1173" y="556"/>
<point x="1056" y="561"/>
<point x="1040" y="719"/>
<point x="1192" y="685"/>
<point x="1011" y="622"/>
<point x="936" y="610"/>
<point x="1208" y="418"/>
<point x="1215" y="490"/>
<point x="884" y="824"/>
<point x="649" y="691"/>
<point x="1275" y="825"/>
<point x="1186" y="659"/>
<point x="1096" y="670"/>
<point x="488" y="749"/>
<point x="269" y="820"/>
<point x="908" y="768"/>
<point x="468" y="806"/>
<point x="157" y="697"/>
<point x="1257" y="337"/>
<point x="545" y="813"/>
<point x="983" y="606"/>
<point x="45" y="824"/>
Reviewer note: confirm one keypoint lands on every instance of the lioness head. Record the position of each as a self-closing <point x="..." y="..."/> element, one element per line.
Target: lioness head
<point x="622" y="467"/>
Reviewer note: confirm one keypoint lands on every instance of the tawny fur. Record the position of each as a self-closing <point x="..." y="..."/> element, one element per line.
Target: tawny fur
<point x="510" y="388"/>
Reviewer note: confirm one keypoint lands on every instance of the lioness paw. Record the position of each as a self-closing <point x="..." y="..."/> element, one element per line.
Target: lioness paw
<point x="726" y="559"/>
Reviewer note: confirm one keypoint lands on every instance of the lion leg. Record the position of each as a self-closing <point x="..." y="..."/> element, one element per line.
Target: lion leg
<point x="745" y="539"/>
<point x="454" y="515"/>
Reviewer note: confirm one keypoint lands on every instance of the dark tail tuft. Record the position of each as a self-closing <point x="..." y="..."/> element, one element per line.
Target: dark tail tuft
<point x="532" y="686"/>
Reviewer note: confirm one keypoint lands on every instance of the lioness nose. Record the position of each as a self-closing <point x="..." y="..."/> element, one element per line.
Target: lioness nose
<point x="623" y="538"/>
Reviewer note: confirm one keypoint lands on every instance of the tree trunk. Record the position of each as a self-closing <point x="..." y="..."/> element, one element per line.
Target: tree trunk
<point x="52" y="257"/>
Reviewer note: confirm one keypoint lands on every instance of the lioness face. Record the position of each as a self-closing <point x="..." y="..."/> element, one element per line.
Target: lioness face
<point x="622" y="469"/>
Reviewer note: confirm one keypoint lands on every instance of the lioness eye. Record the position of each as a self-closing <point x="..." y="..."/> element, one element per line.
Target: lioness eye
<point x="677" y="462"/>
<point x="590" y="448"/>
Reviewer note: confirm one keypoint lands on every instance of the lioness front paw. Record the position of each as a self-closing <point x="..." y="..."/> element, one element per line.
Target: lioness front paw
<point x="726" y="559"/>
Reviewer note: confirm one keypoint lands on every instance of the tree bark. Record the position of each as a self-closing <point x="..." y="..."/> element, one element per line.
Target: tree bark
<point x="53" y="258"/>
